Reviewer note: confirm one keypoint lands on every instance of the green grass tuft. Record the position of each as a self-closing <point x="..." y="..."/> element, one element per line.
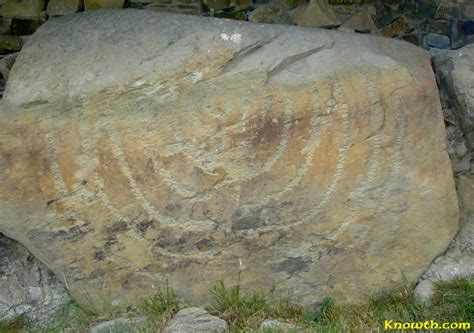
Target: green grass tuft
<point x="161" y="306"/>
<point x="12" y="326"/>
<point x="244" y="311"/>
<point x="452" y="302"/>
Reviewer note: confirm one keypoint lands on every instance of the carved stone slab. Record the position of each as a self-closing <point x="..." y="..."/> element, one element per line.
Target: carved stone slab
<point x="139" y="147"/>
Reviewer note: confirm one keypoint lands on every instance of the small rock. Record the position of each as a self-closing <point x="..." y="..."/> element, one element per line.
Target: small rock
<point x="441" y="27"/>
<point x="63" y="7"/>
<point x="460" y="149"/>
<point x="419" y="10"/>
<point x="346" y="10"/>
<point x="6" y="64"/>
<point x="466" y="194"/>
<point x="5" y="25"/>
<point x="448" y="11"/>
<point x="467" y="10"/>
<point x="25" y="9"/>
<point x="384" y="14"/>
<point x="270" y="13"/>
<point x="457" y="34"/>
<point x="288" y="4"/>
<point x="317" y="14"/>
<point x="217" y="4"/>
<point x="398" y="27"/>
<point x="10" y="43"/>
<point x="192" y="320"/>
<point x="461" y="164"/>
<point x="438" y="41"/>
<point x="424" y="291"/>
<point x="277" y="325"/>
<point x="103" y="4"/>
<point x="122" y="325"/>
<point x="361" y="21"/>
<point x="242" y="4"/>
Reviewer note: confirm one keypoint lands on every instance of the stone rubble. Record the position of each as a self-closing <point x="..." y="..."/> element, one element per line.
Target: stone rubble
<point x="455" y="74"/>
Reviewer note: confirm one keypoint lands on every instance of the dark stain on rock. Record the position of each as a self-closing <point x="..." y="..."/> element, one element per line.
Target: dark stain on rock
<point x="249" y="222"/>
<point x="120" y="226"/>
<point x="173" y="207"/>
<point x="270" y="130"/>
<point x="185" y="264"/>
<point x="204" y="245"/>
<point x="168" y="240"/>
<point x="98" y="273"/>
<point x="126" y="284"/>
<point x="50" y="202"/>
<point x="99" y="255"/>
<point x="74" y="233"/>
<point x="290" y="265"/>
<point x="143" y="226"/>
<point x="67" y="230"/>
<point x="111" y="241"/>
<point x="244" y="221"/>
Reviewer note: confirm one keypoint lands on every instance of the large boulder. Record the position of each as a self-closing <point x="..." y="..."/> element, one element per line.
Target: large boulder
<point x="141" y="146"/>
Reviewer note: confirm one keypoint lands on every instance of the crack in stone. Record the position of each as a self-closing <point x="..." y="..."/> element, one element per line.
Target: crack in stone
<point x="286" y="62"/>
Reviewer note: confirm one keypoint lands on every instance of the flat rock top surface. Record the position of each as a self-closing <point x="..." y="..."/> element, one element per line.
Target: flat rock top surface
<point x="140" y="147"/>
<point x="80" y="55"/>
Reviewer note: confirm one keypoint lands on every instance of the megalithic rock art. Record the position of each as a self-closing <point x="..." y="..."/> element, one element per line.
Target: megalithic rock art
<point x="139" y="147"/>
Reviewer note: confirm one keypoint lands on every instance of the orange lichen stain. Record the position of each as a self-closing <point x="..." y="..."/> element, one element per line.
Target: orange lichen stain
<point x="66" y="224"/>
<point x="68" y="149"/>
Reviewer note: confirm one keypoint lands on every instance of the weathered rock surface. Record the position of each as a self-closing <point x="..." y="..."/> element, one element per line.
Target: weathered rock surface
<point x="455" y="71"/>
<point x="23" y="9"/>
<point x="10" y="43"/>
<point x="309" y="160"/>
<point x="283" y="327"/>
<point x="103" y="4"/>
<point x="458" y="261"/>
<point x="6" y="64"/>
<point x="63" y="7"/>
<point x="27" y="287"/>
<point x="122" y="325"/>
<point x="217" y="4"/>
<point x="361" y="21"/>
<point x="317" y="13"/>
<point x="195" y="320"/>
<point x="271" y="14"/>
